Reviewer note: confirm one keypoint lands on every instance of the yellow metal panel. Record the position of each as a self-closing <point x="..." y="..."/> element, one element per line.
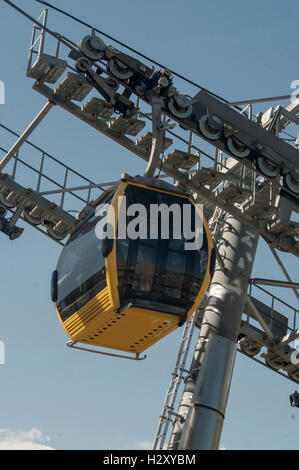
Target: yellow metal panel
<point x="132" y="330"/>
<point x="207" y="277"/>
<point x="110" y="261"/>
<point x="84" y="319"/>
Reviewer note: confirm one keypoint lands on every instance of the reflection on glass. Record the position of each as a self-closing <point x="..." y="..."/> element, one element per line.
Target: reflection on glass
<point x="174" y="274"/>
<point x="122" y="250"/>
<point x="81" y="264"/>
<point x="144" y="268"/>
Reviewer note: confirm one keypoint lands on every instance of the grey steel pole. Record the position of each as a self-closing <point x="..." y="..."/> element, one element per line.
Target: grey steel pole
<point x="40" y="116"/>
<point x="206" y="390"/>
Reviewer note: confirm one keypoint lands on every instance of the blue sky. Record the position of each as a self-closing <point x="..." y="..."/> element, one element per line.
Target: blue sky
<point x="53" y="396"/>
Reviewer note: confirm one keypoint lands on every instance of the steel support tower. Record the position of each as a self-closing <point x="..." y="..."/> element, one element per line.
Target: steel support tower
<point x="246" y="175"/>
<point x="218" y="337"/>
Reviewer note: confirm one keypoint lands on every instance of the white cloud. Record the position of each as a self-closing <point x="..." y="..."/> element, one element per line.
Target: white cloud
<point x="33" y="439"/>
<point x="144" y="445"/>
<point x="148" y="445"/>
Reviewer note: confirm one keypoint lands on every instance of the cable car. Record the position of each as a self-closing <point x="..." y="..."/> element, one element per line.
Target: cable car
<point x="127" y="292"/>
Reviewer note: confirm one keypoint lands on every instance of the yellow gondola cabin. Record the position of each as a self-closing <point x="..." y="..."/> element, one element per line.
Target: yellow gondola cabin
<point x="127" y="292"/>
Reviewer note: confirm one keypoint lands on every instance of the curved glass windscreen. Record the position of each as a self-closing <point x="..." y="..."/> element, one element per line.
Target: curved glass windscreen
<point x="81" y="269"/>
<point x="160" y="273"/>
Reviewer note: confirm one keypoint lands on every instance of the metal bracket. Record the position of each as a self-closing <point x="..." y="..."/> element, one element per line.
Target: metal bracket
<point x="94" y="41"/>
<point x="8" y="227"/>
<point x="107" y="88"/>
<point x="71" y="344"/>
<point x="256" y="314"/>
<point x="178" y="416"/>
<point x="158" y="136"/>
<point x="83" y="65"/>
<point x="15" y="217"/>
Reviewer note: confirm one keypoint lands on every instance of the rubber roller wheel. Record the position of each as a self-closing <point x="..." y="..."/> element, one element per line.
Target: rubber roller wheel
<point x="119" y="70"/>
<point x="53" y="233"/>
<point x="250" y="349"/>
<point x="208" y="131"/>
<point x="237" y="148"/>
<point x="89" y="51"/>
<point x="267" y="167"/>
<point x="31" y="219"/>
<point x="275" y="364"/>
<point x="4" y="201"/>
<point x="82" y="64"/>
<point x="291" y="183"/>
<point x="181" y="112"/>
